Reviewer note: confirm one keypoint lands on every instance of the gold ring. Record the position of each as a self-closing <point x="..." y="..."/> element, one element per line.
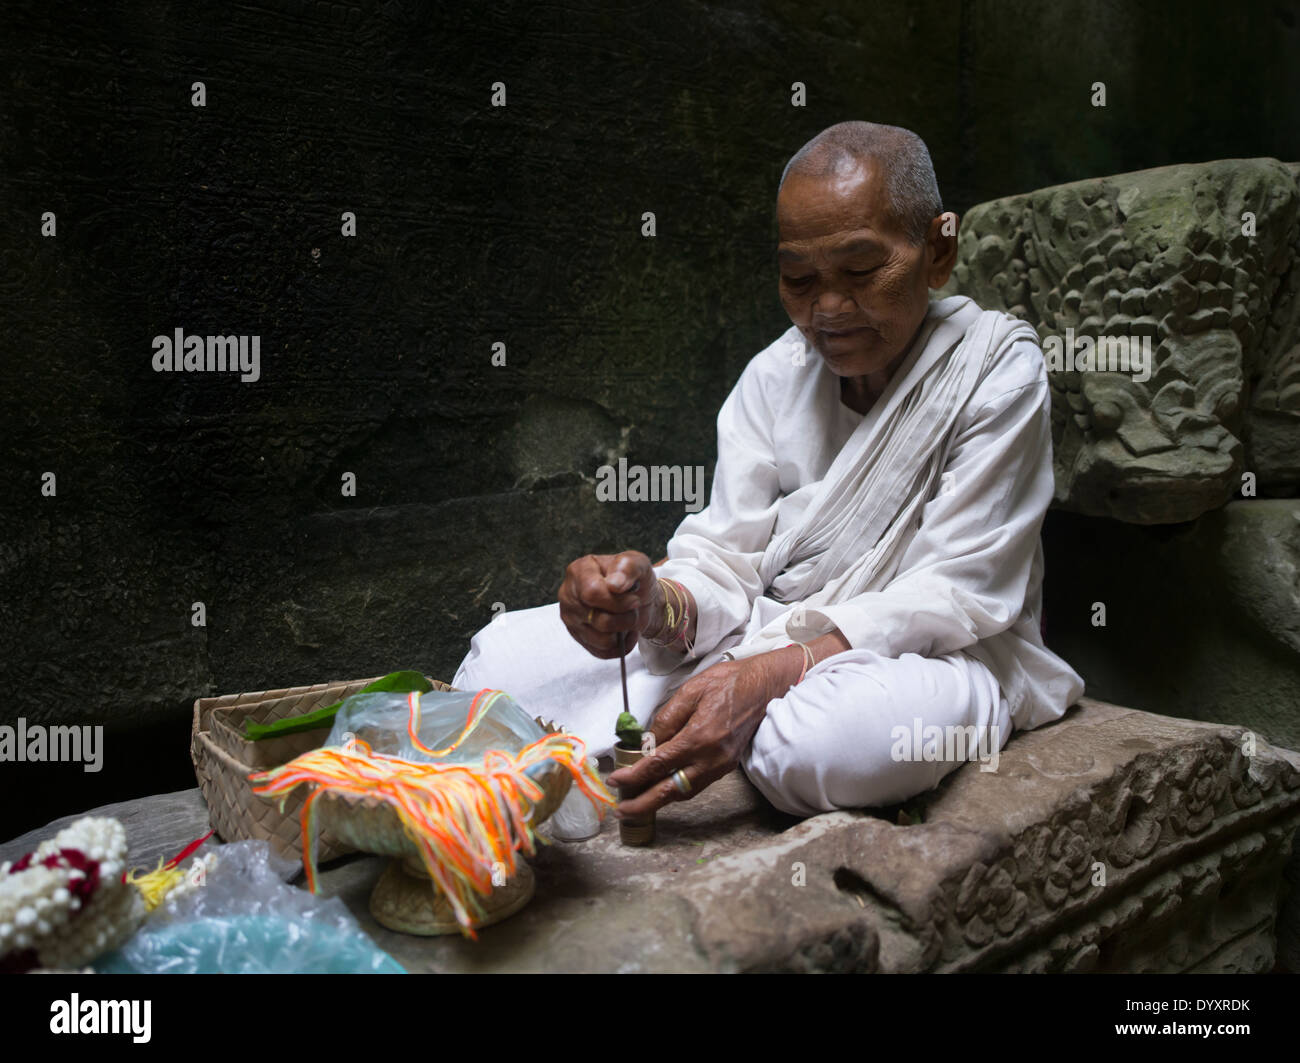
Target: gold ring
<point x="680" y="781"/>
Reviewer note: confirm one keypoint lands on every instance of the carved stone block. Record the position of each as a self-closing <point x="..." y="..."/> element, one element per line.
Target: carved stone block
<point x="1112" y="840"/>
<point x="1192" y="269"/>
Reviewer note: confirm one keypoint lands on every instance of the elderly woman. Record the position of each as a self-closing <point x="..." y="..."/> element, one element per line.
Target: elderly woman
<point x="867" y="576"/>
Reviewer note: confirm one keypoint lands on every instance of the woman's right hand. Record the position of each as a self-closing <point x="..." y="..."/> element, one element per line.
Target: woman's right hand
<point x="607" y="597"/>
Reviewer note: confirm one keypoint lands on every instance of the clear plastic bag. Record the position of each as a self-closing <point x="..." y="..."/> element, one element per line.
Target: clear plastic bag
<point x="445" y="717"/>
<point x="453" y="718"/>
<point x="453" y="726"/>
<point x="247" y="919"/>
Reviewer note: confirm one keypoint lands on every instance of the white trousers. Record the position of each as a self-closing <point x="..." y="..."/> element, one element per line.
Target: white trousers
<point x="860" y="731"/>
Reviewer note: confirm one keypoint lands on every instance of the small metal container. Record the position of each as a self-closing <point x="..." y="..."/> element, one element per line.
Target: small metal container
<point x="639" y="830"/>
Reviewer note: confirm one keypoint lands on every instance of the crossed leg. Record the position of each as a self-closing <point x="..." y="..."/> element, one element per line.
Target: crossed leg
<point x="834" y="741"/>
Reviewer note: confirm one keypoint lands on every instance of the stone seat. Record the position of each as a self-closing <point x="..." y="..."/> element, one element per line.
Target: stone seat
<point x="1113" y="840"/>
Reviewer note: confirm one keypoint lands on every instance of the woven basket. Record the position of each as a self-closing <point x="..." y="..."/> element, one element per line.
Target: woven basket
<point x="223" y="760"/>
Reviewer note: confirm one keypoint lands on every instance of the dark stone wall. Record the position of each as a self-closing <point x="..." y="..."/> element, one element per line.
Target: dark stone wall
<point x="1196" y="620"/>
<point x="474" y="225"/>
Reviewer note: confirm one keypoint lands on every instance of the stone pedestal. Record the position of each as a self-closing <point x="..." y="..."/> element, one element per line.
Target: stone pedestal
<point x="1113" y="840"/>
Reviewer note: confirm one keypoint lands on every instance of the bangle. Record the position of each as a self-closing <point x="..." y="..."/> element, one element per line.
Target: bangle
<point x="666" y="633"/>
<point x="665" y="623"/>
<point x="809" y="659"/>
<point x="678" y="622"/>
<point x="687" y="645"/>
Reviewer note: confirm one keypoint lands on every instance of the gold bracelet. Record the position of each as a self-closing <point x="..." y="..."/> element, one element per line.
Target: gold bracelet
<point x="680" y="591"/>
<point x="679" y="626"/>
<point x="669" y="621"/>
<point x="669" y="634"/>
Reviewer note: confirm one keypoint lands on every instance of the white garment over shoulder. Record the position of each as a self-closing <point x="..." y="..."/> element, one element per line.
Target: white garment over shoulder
<point x="805" y="493"/>
<point x="968" y="571"/>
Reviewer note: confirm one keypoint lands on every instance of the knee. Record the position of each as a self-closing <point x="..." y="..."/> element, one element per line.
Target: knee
<point x="801" y="783"/>
<point x="844" y="761"/>
<point x="781" y="781"/>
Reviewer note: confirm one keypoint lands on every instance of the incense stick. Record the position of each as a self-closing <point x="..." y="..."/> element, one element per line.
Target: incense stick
<point x="622" y="657"/>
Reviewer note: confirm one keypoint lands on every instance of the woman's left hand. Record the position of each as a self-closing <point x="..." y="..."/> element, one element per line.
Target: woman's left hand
<point x="706" y="726"/>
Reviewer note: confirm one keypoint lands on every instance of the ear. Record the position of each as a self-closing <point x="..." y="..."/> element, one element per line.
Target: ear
<point x="941" y="242"/>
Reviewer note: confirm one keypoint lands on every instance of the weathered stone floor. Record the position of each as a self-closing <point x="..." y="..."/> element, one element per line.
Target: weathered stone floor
<point x="1113" y="840"/>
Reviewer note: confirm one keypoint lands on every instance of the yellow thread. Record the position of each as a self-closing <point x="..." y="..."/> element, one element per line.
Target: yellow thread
<point x="155" y="885"/>
<point x="464" y="819"/>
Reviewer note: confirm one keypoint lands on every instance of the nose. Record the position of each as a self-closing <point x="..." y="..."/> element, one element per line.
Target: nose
<point x="831" y="306"/>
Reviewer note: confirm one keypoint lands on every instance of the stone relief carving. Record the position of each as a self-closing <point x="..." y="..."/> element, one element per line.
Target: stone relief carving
<point x="1193" y="269"/>
<point x="1129" y="824"/>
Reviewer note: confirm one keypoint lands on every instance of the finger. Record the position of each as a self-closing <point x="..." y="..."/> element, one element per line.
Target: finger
<point x="588" y="624"/>
<point x="607" y="623"/>
<point x="603" y="646"/>
<point x="624" y="571"/>
<point x="596" y="589"/>
<point x="606" y="643"/>
<point x="594" y="641"/>
<point x="634" y="774"/>
<point x="579" y="573"/>
<point x="667" y="792"/>
<point x="673" y="716"/>
<point x="655" y="767"/>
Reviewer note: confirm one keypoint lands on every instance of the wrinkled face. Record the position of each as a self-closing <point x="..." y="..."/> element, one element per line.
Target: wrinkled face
<point x="849" y="278"/>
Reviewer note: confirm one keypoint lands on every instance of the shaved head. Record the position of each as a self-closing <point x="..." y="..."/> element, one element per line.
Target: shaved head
<point x="901" y="155"/>
<point x="862" y="240"/>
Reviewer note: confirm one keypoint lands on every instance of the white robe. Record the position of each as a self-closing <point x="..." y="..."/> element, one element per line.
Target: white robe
<point x="963" y="582"/>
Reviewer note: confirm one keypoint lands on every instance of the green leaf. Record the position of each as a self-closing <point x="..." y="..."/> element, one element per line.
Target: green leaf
<point x="404" y="682"/>
<point x="628" y="731"/>
<point x="397" y="682"/>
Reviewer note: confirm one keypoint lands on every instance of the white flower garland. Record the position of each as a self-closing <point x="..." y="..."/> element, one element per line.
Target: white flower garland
<point x="42" y="907"/>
